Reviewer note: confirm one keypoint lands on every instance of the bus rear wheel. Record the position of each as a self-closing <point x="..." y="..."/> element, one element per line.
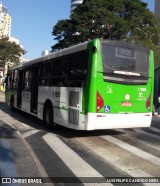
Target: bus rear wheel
<point x="48" y="116"/>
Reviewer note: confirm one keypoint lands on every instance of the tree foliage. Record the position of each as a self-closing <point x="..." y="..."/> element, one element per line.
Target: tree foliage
<point x="10" y="52"/>
<point x="109" y="19"/>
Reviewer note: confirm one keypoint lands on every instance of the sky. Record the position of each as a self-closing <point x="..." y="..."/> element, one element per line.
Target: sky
<point x="33" y="22"/>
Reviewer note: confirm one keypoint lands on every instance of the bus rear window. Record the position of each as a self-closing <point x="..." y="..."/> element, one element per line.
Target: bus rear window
<point x="123" y="60"/>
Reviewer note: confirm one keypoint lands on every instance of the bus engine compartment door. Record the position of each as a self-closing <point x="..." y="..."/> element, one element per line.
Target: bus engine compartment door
<point x="74" y="107"/>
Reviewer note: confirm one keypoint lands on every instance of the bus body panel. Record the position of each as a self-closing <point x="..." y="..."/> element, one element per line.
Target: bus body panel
<point x="66" y="104"/>
<point x="121" y="98"/>
<point x="26" y="101"/>
<point x="124" y="99"/>
<point x="111" y="121"/>
<point x="89" y="89"/>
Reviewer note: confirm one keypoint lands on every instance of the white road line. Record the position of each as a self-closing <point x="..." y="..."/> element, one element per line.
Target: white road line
<point x="154" y="129"/>
<point x="116" y="160"/>
<point x="75" y="163"/>
<point x="142" y="141"/>
<point x="150" y="145"/>
<point x="147" y="134"/>
<point x="134" y="150"/>
<point x="29" y="133"/>
<point x="23" y="124"/>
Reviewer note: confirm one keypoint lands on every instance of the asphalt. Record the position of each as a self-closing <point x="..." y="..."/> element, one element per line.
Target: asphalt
<point x="17" y="159"/>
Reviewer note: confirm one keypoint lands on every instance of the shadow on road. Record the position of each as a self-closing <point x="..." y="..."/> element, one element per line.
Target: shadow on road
<point x="7" y="133"/>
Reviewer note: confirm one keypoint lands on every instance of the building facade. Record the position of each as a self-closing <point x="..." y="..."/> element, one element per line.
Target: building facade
<point x="5" y="22"/>
<point x="74" y="3"/>
<point x="157" y="8"/>
<point x="5" y="31"/>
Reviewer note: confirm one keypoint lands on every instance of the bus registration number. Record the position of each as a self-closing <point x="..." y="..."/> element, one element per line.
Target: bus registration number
<point x="126" y="104"/>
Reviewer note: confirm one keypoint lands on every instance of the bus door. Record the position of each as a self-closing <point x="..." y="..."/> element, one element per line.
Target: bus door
<point x="34" y="88"/>
<point x="20" y="88"/>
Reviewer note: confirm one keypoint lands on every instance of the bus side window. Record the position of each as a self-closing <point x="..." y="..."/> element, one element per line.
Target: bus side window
<point x="28" y="78"/>
<point x="77" y="69"/>
<point x="15" y="79"/>
<point x="10" y="80"/>
<point x="59" y="72"/>
<point x="45" y="74"/>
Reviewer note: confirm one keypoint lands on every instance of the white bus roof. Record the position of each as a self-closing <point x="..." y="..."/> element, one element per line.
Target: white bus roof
<point x="52" y="55"/>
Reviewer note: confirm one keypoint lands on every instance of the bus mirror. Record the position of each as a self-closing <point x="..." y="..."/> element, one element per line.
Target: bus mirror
<point x="94" y="49"/>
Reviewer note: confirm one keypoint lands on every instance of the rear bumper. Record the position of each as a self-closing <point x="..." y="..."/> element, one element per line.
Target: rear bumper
<point x="111" y="121"/>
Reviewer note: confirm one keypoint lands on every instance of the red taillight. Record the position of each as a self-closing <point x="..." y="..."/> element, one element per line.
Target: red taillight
<point x="148" y="102"/>
<point x="100" y="102"/>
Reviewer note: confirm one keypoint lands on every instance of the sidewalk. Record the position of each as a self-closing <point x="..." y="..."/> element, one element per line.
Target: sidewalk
<point x="16" y="157"/>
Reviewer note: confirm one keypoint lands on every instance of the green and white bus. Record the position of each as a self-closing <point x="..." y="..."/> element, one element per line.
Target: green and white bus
<point x="99" y="84"/>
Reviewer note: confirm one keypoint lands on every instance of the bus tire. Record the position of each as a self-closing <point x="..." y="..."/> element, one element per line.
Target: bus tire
<point x="48" y="116"/>
<point x="12" y="104"/>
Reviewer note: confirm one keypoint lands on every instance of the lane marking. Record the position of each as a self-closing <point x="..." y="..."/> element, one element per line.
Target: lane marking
<point x="147" y="134"/>
<point x="154" y="129"/>
<point x="142" y="141"/>
<point x="138" y="152"/>
<point x="74" y="162"/>
<point x="154" y="146"/>
<point x="40" y="167"/>
<point x="115" y="160"/>
<point x="30" y="133"/>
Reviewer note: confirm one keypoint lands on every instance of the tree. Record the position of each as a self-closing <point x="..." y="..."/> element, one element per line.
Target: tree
<point x="149" y="37"/>
<point x="10" y="52"/>
<point x="109" y="19"/>
<point x="64" y="31"/>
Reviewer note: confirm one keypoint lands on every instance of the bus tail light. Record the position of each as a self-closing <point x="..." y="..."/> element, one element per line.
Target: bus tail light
<point x="100" y="102"/>
<point x="148" y="102"/>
